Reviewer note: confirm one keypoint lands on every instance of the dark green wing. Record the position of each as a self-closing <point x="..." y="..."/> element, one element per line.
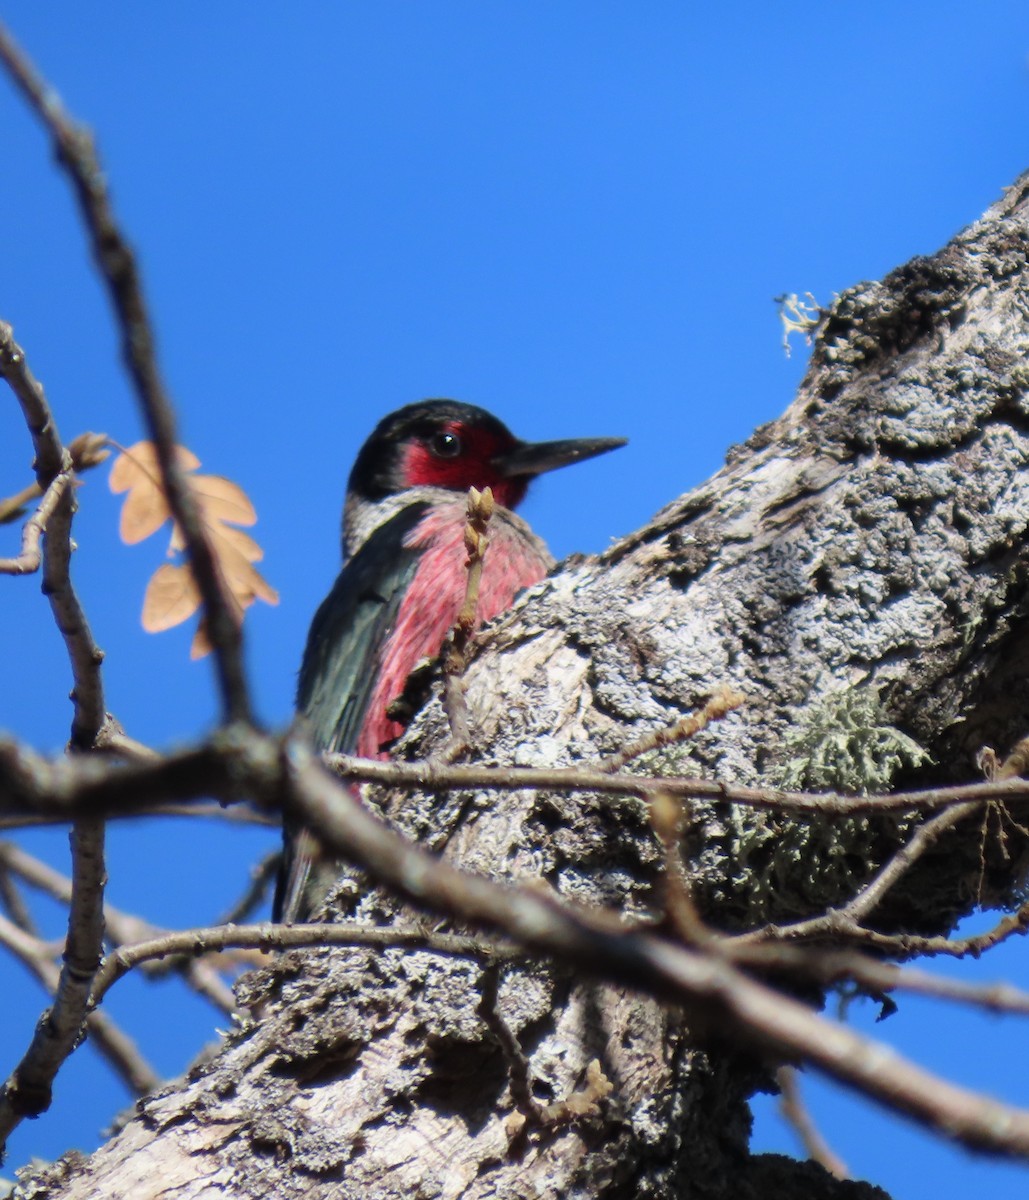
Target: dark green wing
<point x="337" y="677"/>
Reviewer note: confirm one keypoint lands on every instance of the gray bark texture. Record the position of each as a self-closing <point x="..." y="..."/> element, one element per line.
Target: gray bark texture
<point x="859" y="570"/>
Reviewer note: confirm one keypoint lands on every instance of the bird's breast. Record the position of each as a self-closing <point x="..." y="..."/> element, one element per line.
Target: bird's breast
<point x="515" y="559"/>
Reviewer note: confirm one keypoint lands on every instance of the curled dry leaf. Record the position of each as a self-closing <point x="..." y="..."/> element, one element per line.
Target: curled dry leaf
<point x="172" y="595"/>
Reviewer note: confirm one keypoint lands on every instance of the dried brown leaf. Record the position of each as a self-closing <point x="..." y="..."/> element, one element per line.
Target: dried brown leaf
<point x="244" y="581"/>
<point x="172" y="597"/>
<point x="242" y="542"/>
<point x="136" y="471"/>
<point x="200" y="646"/>
<point x="220" y="501"/>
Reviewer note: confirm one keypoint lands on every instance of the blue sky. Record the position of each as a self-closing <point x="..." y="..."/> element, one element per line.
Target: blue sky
<point x="574" y="214"/>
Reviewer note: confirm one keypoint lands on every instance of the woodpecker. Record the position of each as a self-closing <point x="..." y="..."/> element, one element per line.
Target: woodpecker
<point x="403" y="582"/>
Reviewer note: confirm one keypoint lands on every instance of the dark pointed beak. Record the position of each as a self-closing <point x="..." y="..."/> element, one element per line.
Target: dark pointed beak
<point x="533" y="458"/>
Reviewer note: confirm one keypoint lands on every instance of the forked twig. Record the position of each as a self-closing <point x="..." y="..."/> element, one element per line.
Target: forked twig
<point x="27" y="561"/>
<point x="27" y="1090"/>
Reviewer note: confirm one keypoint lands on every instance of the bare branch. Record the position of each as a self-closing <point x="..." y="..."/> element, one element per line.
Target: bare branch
<point x="36" y="789"/>
<point x="27" y="562"/>
<point x="122" y="928"/>
<point x="262" y="875"/>
<point x="14" y="902"/>
<point x="112" y="739"/>
<point x="270" y="937"/>
<point x="13" y="507"/>
<point x="793" y="1109"/>
<point x="52" y="461"/>
<point x="668" y="822"/>
<point x="27" y="1092"/>
<point x="234" y="768"/>
<point x="120" y="1051"/>
<point x="710" y="986"/>
<point x="203" y="978"/>
<point x="51" y="457"/>
<point x="714" y="991"/>
<point x="721" y="703"/>
<point x="87" y="450"/>
<point x="1013" y="923"/>
<point x="76" y="153"/>
<point x="847" y="920"/>
<point x="831" y="967"/>
<point x="85" y="655"/>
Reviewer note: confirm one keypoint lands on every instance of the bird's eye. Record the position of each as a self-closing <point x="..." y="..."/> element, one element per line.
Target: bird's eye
<point x="445" y="445"/>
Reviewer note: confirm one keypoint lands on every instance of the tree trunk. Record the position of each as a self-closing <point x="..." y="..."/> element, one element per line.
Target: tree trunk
<point x="858" y="570"/>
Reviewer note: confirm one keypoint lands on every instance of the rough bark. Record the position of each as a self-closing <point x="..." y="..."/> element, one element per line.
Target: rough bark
<point x="859" y="564"/>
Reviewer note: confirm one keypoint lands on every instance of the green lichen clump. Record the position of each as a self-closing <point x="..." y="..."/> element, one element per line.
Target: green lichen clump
<point x="797" y="866"/>
<point x="845" y="744"/>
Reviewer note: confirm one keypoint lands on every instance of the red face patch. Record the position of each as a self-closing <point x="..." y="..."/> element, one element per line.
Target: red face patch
<point x="458" y="457"/>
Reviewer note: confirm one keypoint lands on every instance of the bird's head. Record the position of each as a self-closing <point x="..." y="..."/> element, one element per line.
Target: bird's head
<point x="446" y="444"/>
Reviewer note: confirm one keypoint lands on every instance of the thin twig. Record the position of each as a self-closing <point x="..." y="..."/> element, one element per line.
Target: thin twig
<point x="27" y="1092"/>
<point x="793" y="1109"/>
<point x="923" y="837"/>
<point x="112" y="739"/>
<point x="829" y="967"/>
<point x="77" y="154"/>
<point x="230" y="767"/>
<point x="847" y="920"/>
<point x="668" y="821"/>
<point x="455" y="651"/>
<point x="519" y="1072"/>
<point x="83" y="652"/>
<point x="53" y="460"/>
<point x="123" y="929"/>
<point x="271" y="936"/>
<point x="900" y="945"/>
<point x="203" y="978"/>
<point x="28" y="560"/>
<point x="721" y="703"/>
<point x="121" y="1052"/>
<point x="977" y="944"/>
<point x="239" y="815"/>
<point x="13" y="507"/>
<point x="262" y="875"/>
<point x="87" y="450"/>
<point x="14" y="902"/>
